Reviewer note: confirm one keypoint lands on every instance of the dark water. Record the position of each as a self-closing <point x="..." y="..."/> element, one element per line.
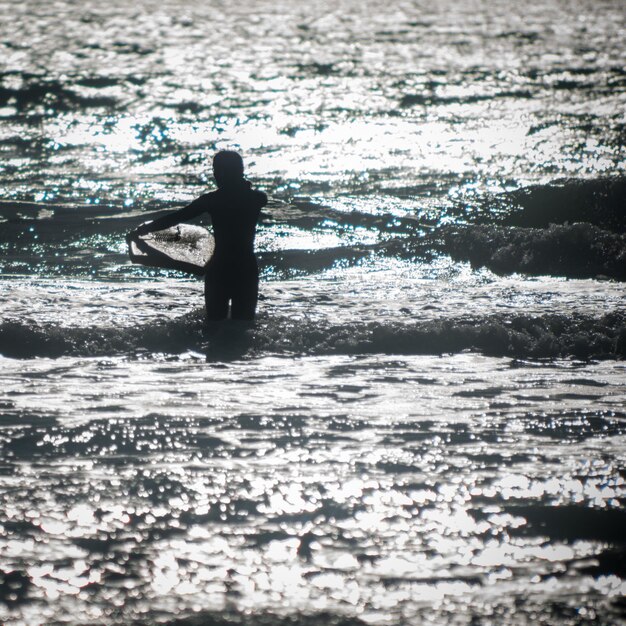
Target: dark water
<point x="426" y="424"/>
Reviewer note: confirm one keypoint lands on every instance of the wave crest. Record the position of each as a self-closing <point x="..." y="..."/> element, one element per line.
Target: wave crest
<point x="522" y="336"/>
<point x="575" y="251"/>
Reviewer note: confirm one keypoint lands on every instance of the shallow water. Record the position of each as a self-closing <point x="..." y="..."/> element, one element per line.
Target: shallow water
<point x="401" y="437"/>
<point x="359" y="484"/>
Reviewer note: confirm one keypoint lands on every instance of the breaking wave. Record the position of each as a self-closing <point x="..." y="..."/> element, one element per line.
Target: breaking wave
<point x="574" y="251"/>
<point x="571" y="228"/>
<point x="521" y="336"/>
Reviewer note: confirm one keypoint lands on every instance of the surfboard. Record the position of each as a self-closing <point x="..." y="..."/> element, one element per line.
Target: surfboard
<point x="184" y="247"/>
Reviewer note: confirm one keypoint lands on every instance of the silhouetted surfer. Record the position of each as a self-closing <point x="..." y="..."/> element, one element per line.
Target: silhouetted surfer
<point x="232" y="274"/>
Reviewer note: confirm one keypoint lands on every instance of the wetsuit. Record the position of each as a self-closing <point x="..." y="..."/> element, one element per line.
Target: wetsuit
<point x="232" y="274"/>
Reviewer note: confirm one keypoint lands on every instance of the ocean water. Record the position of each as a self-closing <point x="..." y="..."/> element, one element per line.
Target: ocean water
<point x="427" y="422"/>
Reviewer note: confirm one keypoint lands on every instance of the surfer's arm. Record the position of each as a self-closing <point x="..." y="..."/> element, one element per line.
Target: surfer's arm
<point x="186" y="214"/>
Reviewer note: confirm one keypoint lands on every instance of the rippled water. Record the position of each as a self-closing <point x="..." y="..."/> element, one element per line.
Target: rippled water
<point x="426" y="423"/>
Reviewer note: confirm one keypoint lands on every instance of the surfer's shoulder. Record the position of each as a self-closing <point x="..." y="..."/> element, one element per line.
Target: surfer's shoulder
<point x="209" y="199"/>
<point x="260" y="197"/>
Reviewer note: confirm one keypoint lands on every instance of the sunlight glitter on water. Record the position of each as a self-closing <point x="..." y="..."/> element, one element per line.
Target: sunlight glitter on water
<point x="355" y="450"/>
<point x="329" y="499"/>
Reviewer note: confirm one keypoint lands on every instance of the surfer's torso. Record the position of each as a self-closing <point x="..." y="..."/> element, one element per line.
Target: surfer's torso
<point x="234" y="214"/>
<point x="232" y="274"/>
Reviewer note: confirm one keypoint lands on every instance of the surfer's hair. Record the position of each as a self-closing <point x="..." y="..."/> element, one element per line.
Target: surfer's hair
<point x="228" y="163"/>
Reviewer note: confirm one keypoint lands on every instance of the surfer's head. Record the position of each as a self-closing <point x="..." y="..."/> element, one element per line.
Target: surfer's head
<point x="227" y="168"/>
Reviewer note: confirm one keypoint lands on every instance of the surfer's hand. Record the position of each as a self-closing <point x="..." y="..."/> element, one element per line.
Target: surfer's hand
<point x="144" y="229"/>
<point x="133" y="235"/>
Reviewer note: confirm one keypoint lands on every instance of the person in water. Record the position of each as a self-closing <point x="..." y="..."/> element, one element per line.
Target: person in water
<point x="232" y="274"/>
